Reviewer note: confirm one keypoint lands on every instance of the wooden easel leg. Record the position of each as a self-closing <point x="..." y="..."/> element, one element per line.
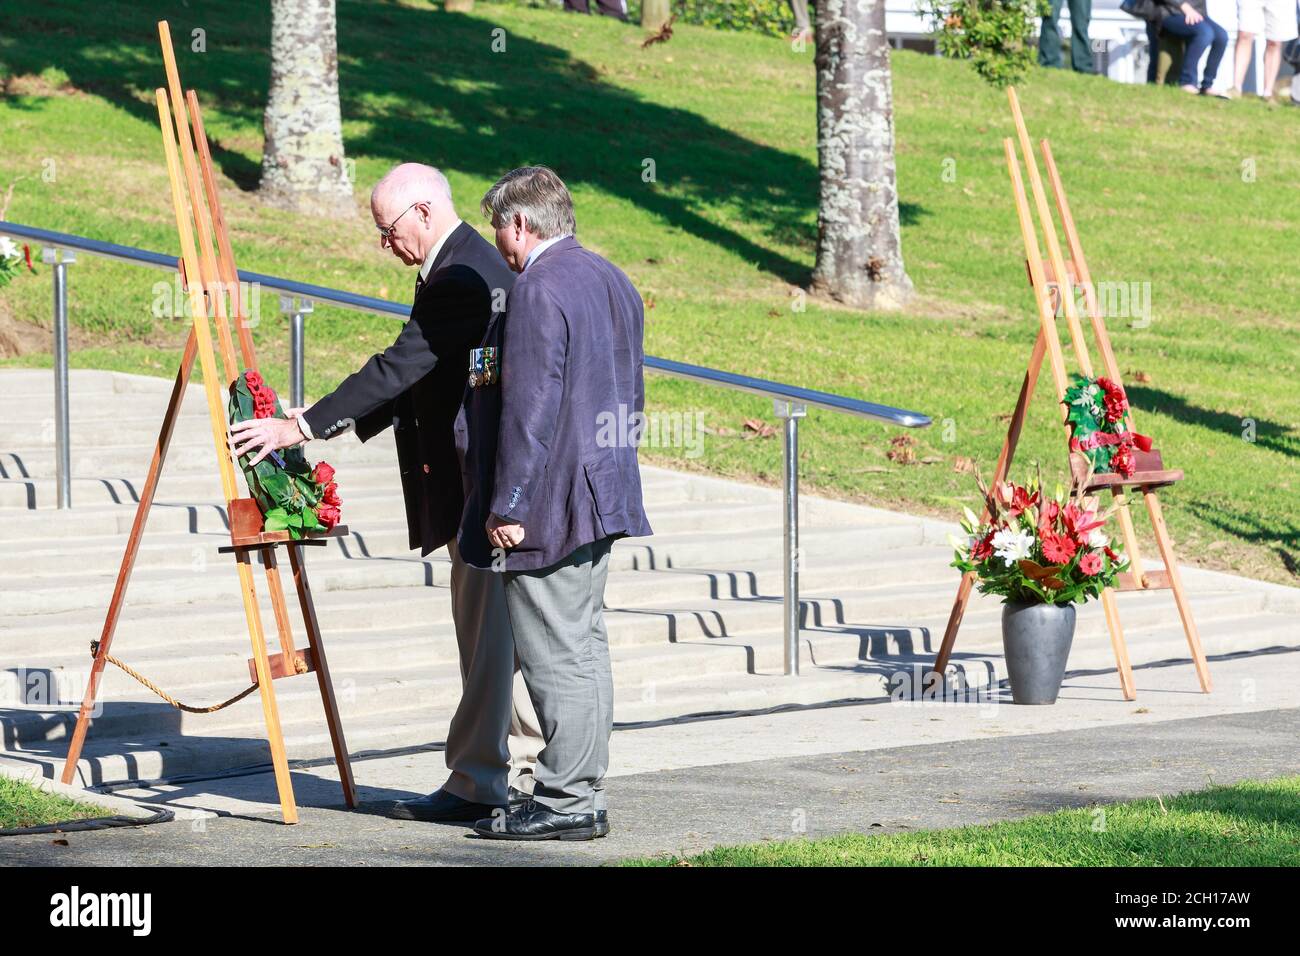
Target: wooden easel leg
<point x="1176" y="584"/>
<point x="265" y="685"/>
<point x="129" y="556"/>
<point x="278" y="606"/>
<point x="999" y="475"/>
<point x="1117" y="644"/>
<point x="323" y="675"/>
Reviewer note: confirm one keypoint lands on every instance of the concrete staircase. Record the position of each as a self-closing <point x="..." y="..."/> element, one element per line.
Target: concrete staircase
<point x="694" y="612"/>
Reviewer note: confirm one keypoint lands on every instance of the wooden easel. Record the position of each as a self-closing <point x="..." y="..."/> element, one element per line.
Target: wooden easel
<point x="209" y="276"/>
<point x="1049" y="293"/>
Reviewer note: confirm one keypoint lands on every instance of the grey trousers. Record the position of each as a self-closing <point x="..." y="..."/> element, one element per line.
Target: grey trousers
<point x="559" y="622"/>
<point x="494" y="733"/>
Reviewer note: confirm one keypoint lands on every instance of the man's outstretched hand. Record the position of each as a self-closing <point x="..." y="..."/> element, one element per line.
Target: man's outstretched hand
<point x="503" y="534"/>
<point x="266" y="435"/>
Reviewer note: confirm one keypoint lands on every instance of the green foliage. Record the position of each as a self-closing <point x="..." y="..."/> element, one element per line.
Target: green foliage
<point x="769" y="17"/>
<point x="997" y="36"/>
<point x="22" y="805"/>
<point x="285" y="493"/>
<point x="1251" y="823"/>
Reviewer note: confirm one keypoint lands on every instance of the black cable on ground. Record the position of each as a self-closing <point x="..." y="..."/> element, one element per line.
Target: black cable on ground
<point x="159" y="815"/>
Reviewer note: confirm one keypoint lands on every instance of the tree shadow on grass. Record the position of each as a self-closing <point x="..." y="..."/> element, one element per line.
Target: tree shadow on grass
<point x="426" y="85"/>
<point x="1268" y="435"/>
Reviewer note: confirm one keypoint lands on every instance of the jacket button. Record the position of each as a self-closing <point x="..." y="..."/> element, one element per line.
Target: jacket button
<point x="426" y="469"/>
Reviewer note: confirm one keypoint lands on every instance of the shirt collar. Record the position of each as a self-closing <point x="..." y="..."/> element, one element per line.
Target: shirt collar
<point x="542" y="247"/>
<point x="427" y="267"/>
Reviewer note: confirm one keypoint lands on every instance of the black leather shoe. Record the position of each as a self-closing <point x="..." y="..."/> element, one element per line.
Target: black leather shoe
<point x="602" y="823"/>
<point x="441" y="807"/>
<point x="515" y="799"/>
<point x="533" y="821"/>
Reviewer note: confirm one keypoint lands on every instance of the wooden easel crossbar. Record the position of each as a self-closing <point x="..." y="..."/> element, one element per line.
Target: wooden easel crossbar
<point x="1054" y="283"/>
<point x="211" y="279"/>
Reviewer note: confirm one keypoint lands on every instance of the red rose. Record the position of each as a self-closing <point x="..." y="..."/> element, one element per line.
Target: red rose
<point x="1122" y="460"/>
<point x="1057" y="548"/>
<point x="1116" y="401"/>
<point x="322" y="474"/>
<point x="331" y="495"/>
<point x="1090" y="563"/>
<point x="328" y="515"/>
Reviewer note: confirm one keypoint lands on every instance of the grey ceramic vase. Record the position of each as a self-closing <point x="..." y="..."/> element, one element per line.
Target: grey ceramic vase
<point x="1036" y="640"/>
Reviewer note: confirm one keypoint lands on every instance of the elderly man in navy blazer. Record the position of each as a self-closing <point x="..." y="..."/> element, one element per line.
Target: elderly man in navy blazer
<point x="564" y="366"/>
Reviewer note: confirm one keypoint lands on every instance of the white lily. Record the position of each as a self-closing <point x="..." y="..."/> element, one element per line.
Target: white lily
<point x="8" y="249"/>
<point x="1011" y="546"/>
<point x="1097" y="539"/>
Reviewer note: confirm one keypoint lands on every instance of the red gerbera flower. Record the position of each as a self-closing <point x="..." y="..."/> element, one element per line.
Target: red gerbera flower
<point x="1090" y="563"/>
<point x="1057" y="548"/>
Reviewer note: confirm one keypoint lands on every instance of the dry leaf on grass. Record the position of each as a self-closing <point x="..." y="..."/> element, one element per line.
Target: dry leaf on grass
<point x="963" y="465"/>
<point x="902" y="450"/>
<point x="756" y="428"/>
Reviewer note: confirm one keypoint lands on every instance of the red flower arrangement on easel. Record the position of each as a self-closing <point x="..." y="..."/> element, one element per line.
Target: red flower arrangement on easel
<point x="293" y="496"/>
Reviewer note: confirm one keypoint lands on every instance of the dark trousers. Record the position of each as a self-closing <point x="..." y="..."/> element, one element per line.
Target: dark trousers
<point x="1049" y="37"/>
<point x="609" y="8"/>
<point x="1206" y="33"/>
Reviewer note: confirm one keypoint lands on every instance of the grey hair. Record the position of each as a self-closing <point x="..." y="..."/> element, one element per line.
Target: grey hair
<point x="535" y="193"/>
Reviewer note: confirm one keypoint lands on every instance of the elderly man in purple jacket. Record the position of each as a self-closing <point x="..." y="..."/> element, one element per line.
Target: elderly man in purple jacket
<point x="556" y="377"/>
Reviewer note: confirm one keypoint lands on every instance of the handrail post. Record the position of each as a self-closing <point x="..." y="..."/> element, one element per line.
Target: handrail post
<point x="62" y="428"/>
<point x="791" y="412"/>
<point x="297" y="345"/>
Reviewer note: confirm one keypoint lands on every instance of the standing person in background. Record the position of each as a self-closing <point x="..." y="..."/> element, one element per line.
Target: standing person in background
<point x="1276" y="19"/>
<point x="802" y="25"/>
<point x="1189" y="20"/>
<point x="1049" y="37"/>
<point x="607" y="8"/>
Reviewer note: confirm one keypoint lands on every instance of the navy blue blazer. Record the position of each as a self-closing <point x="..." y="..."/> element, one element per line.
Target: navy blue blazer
<point x="567" y="406"/>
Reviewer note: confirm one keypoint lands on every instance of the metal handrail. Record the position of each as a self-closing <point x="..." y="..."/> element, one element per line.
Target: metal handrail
<point x="790" y="402"/>
<point x="368" y="303"/>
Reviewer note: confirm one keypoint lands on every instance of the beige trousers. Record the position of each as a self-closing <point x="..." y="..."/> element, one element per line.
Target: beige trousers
<point x="494" y="737"/>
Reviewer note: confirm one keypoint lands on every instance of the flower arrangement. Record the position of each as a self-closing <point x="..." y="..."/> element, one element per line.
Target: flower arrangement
<point x="293" y="496"/>
<point x="1096" y="411"/>
<point x="1039" y="550"/>
<point x="10" y="257"/>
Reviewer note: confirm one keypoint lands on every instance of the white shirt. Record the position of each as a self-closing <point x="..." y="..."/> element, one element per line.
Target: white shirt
<point x="542" y="247"/>
<point x="427" y="266"/>
<point x="425" y="269"/>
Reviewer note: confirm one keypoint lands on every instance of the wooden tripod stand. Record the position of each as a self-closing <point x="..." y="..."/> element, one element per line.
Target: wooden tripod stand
<point x="210" y="278"/>
<point x="1054" y="284"/>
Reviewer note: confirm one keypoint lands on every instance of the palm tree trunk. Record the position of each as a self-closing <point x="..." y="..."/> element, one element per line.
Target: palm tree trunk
<point x="303" y="165"/>
<point x="859" y="256"/>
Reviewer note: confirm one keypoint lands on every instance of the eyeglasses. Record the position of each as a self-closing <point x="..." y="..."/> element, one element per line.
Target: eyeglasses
<point x="387" y="231"/>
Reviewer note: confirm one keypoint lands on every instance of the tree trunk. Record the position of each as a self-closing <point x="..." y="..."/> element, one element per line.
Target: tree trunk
<point x="859" y="256"/>
<point x="303" y="168"/>
<point x="655" y="13"/>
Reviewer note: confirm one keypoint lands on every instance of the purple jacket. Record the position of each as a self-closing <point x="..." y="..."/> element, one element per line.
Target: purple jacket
<point x="571" y="396"/>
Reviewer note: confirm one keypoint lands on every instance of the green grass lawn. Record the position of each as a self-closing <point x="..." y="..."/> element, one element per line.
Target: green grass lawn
<point x="1253" y="823"/>
<point x="1196" y="197"/>
<point x="22" y="805"/>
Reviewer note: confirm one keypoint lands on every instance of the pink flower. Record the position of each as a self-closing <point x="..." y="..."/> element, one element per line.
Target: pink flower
<point x="1090" y="563"/>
